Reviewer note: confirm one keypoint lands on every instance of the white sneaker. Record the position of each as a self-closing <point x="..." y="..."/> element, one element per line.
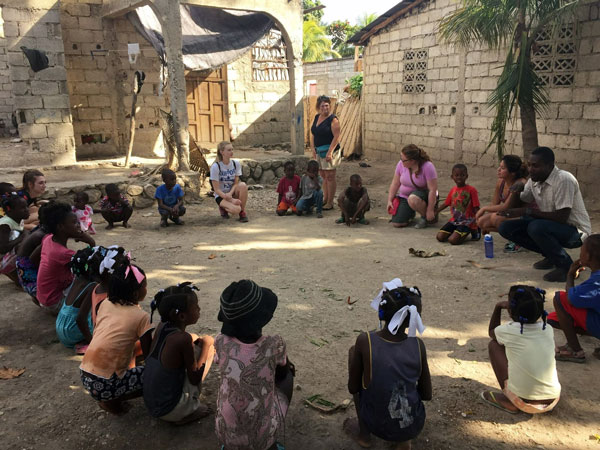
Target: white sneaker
<point x="421" y="223"/>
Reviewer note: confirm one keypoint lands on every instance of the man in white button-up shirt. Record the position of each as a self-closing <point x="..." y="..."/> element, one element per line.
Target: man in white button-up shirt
<point x="560" y="220"/>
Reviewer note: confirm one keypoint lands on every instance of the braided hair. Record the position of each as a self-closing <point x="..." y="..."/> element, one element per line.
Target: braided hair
<point x="123" y="286"/>
<point x="172" y="300"/>
<point x="9" y="200"/>
<point x="80" y="265"/>
<point x="393" y="300"/>
<point x="526" y="304"/>
<point x="55" y="214"/>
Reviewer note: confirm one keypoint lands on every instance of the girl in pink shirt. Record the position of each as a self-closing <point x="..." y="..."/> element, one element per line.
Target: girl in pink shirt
<point x="54" y="274"/>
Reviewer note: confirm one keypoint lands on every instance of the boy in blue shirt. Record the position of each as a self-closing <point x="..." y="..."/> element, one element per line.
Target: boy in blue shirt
<point x="170" y="199"/>
<point x="578" y="308"/>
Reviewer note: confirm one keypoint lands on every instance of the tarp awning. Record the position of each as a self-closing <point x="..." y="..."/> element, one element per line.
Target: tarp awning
<point x="211" y="37"/>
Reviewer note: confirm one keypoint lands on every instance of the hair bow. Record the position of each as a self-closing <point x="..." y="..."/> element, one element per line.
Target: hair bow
<point x="108" y="262"/>
<point x="415" y="323"/>
<point x="139" y="276"/>
<point x="388" y="285"/>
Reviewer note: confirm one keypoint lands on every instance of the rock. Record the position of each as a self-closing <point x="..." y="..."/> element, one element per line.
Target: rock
<point x="245" y="171"/>
<point x="266" y="165"/>
<point x="78" y="189"/>
<point x="141" y="202"/>
<point x="135" y="189"/>
<point x="61" y="192"/>
<point x="157" y="182"/>
<point x="257" y="172"/>
<point x="183" y="182"/>
<point x="122" y="187"/>
<point x="276" y="163"/>
<point x="68" y="199"/>
<point x="129" y="198"/>
<point x="255" y="187"/>
<point x="50" y="193"/>
<point x="93" y="194"/>
<point x="149" y="190"/>
<point x="279" y="172"/>
<point x="267" y="177"/>
<point x="250" y="182"/>
<point x="252" y="164"/>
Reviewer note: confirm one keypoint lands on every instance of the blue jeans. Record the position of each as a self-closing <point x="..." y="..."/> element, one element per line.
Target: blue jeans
<point x="306" y="204"/>
<point x="543" y="236"/>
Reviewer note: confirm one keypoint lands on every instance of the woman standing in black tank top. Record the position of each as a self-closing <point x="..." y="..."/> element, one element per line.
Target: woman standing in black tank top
<point x="324" y="143"/>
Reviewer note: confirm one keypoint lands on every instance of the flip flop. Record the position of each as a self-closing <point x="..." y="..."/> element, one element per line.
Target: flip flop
<point x="327" y="209"/>
<point x="495" y="403"/>
<point x="566" y="353"/>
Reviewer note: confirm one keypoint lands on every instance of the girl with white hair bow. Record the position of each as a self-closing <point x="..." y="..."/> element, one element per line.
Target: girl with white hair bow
<point x="388" y="371"/>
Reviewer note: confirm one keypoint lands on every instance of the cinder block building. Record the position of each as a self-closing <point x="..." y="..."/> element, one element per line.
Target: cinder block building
<point x="79" y="107"/>
<point x="328" y="77"/>
<point x="420" y="90"/>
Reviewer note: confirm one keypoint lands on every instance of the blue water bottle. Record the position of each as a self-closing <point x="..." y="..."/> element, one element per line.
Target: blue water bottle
<point x="488" y="243"/>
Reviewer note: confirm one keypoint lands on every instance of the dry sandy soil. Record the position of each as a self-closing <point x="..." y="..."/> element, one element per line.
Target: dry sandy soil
<point x="313" y="265"/>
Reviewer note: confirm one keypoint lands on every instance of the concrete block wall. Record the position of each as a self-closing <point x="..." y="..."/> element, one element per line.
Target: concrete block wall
<point x="6" y="96"/>
<point x="451" y="119"/>
<point x="100" y="82"/>
<point x="40" y="99"/>
<point x="259" y="111"/>
<point x="330" y="75"/>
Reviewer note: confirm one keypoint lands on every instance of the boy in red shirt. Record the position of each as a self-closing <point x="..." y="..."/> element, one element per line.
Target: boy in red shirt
<point x="288" y="190"/>
<point x="463" y="201"/>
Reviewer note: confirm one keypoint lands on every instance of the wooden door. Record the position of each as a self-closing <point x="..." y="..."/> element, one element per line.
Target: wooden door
<point x="207" y="106"/>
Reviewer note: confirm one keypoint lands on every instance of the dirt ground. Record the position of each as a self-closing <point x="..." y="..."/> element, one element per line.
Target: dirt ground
<point x="313" y="265"/>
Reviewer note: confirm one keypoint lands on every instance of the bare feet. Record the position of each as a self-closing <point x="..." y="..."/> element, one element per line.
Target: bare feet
<point x="202" y="411"/>
<point x="110" y="226"/>
<point x="126" y="225"/>
<point x="116" y="407"/>
<point x="164" y="223"/>
<point x="352" y="429"/>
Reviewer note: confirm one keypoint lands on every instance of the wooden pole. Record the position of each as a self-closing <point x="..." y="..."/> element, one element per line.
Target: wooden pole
<point x="138" y="82"/>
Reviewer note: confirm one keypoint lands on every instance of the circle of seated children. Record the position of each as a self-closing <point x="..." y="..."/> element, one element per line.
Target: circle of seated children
<point x="413" y="189"/>
<point x="522" y="351"/>
<point x="230" y="193"/>
<point x="511" y="170"/>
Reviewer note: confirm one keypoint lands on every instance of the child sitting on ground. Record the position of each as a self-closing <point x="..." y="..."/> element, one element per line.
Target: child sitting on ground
<point x="6" y="188"/>
<point x="108" y="370"/>
<point x="288" y="190"/>
<point x="170" y="199"/>
<point x="54" y="274"/>
<point x="114" y="207"/>
<point x="29" y="254"/>
<point x="578" y="308"/>
<point x="354" y="202"/>
<point x="310" y="188"/>
<point x="84" y="212"/>
<point x="463" y="201"/>
<point x="74" y="322"/>
<point x="256" y="376"/>
<point x="178" y="361"/>
<point x="12" y="233"/>
<point x="231" y="194"/>
<point x="388" y="371"/>
<point x="522" y="355"/>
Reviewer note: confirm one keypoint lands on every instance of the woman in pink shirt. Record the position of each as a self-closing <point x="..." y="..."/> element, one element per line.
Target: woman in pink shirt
<point x="54" y="274"/>
<point x="413" y="189"/>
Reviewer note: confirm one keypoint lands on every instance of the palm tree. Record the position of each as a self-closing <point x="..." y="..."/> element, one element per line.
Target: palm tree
<point x="365" y="19"/>
<point x="315" y="45"/>
<point x="514" y="25"/>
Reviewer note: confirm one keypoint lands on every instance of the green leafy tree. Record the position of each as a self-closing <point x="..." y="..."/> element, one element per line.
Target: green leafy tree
<point x="512" y="25"/>
<point x="313" y="15"/>
<point x="315" y="44"/>
<point x="340" y="31"/>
